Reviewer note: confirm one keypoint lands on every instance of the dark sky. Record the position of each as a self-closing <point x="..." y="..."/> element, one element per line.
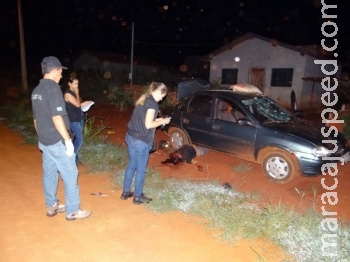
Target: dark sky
<point x="165" y="30"/>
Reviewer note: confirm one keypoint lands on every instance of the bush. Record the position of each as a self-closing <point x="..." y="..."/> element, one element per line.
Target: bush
<point x="346" y="130"/>
<point x="93" y="131"/>
<point x="215" y="85"/>
<point x="94" y="85"/>
<point x="120" y="98"/>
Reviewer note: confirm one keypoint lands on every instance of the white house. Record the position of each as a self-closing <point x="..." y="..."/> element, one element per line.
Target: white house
<point x="274" y="67"/>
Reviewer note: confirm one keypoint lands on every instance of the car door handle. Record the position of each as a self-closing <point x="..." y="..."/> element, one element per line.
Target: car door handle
<point x="215" y="127"/>
<point x="186" y="120"/>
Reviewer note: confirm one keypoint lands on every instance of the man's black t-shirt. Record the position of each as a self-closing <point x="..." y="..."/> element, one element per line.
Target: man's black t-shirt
<point x="47" y="101"/>
<point x="136" y="125"/>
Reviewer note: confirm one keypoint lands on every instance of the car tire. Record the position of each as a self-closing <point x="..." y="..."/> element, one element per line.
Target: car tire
<point x="178" y="137"/>
<point x="280" y="166"/>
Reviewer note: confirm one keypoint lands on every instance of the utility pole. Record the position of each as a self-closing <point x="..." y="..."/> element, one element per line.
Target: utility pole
<point x="22" y="50"/>
<point x="132" y="54"/>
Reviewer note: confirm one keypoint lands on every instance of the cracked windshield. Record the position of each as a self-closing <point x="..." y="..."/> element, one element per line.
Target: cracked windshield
<point x="266" y="110"/>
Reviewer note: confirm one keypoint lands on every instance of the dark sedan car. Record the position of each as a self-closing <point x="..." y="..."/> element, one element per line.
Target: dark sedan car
<point x="255" y="128"/>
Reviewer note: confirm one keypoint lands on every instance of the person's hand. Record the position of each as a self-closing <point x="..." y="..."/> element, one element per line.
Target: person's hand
<point x="167" y="120"/>
<point x="69" y="147"/>
<point x="164" y="120"/>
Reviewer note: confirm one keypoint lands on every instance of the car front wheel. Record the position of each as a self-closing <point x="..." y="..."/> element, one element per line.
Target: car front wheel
<point x="177" y="137"/>
<point x="279" y="166"/>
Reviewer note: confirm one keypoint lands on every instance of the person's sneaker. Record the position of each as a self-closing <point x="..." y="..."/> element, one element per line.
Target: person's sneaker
<point x="56" y="208"/>
<point x="80" y="214"/>
<point x="126" y="195"/>
<point x="141" y="199"/>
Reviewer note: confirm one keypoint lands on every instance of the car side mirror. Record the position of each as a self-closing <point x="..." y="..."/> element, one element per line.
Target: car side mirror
<point x="298" y="113"/>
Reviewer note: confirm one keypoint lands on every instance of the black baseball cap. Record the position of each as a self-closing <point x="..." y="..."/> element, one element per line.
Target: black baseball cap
<point x="51" y="62"/>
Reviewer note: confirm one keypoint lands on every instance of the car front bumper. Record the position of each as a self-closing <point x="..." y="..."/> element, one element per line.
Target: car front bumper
<point x="345" y="158"/>
<point x="312" y="167"/>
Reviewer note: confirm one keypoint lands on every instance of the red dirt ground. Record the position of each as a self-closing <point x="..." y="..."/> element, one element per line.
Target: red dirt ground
<point x="121" y="231"/>
<point x="302" y="192"/>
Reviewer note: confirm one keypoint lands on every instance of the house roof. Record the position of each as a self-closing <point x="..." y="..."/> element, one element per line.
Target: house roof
<point x="303" y="50"/>
<point x="121" y="58"/>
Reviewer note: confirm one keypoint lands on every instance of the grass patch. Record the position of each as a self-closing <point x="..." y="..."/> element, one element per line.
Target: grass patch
<point x="94" y="128"/>
<point x="20" y="118"/>
<point x="238" y="218"/>
<point x="232" y="212"/>
<point x="242" y="167"/>
<point x="102" y="156"/>
<point x="346" y="130"/>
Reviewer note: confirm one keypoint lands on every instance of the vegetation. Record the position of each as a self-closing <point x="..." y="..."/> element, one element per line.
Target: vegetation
<point x="215" y="85"/>
<point x="120" y="98"/>
<point x="102" y="156"/>
<point x="95" y="131"/>
<point x="343" y="90"/>
<point x="20" y="118"/>
<point x="235" y="214"/>
<point x="242" y="167"/>
<point x="346" y="130"/>
<point x="94" y="85"/>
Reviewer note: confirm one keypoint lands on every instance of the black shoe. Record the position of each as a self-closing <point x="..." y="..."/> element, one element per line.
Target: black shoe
<point x="141" y="199"/>
<point x="126" y="195"/>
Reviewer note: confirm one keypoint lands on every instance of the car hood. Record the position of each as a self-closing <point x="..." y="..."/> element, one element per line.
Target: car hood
<point x="304" y="129"/>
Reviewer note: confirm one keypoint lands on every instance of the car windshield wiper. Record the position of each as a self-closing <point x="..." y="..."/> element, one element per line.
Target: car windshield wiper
<point x="269" y="121"/>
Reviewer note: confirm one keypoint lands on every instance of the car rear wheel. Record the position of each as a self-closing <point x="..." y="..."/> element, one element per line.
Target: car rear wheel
<point x="178" y="137"/>
<point x="280" y="166"/>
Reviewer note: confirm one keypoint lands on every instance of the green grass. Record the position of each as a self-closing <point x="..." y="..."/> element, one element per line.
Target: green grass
<point x="346" y="130"/>
<point x="242" y="167"/>
<point x="94" y="129"/>
<point x="103" y="156"/>
<point x="20" y="119"/>
<point x="236" y="215"/>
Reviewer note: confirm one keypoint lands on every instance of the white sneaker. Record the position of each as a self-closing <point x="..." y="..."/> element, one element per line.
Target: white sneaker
<point x="56" y="208"/>
<point x="80" y="214"/>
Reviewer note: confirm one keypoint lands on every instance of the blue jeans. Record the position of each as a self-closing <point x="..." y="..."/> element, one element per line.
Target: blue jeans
<point x="77" y="129"/>
<point x="138" y="152"/>
<point x="55" y="160"/>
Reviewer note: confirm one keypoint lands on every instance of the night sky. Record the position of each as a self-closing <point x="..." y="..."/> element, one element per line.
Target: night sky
<point x="165" y="30"/>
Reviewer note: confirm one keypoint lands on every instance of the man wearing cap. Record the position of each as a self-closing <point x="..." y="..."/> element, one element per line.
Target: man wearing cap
<point x="51" y="124"/>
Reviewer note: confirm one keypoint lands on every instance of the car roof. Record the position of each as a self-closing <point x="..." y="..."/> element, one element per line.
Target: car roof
<point x="230" y="93"/>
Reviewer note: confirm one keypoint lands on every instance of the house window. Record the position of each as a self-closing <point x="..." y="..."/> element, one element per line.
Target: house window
<point x="282" y="77"/>
<point x="229" y="76"/>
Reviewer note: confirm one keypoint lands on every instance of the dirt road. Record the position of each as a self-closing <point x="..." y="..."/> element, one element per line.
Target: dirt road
<point x="116" y="231"/>
<point x="121" y="231"/>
